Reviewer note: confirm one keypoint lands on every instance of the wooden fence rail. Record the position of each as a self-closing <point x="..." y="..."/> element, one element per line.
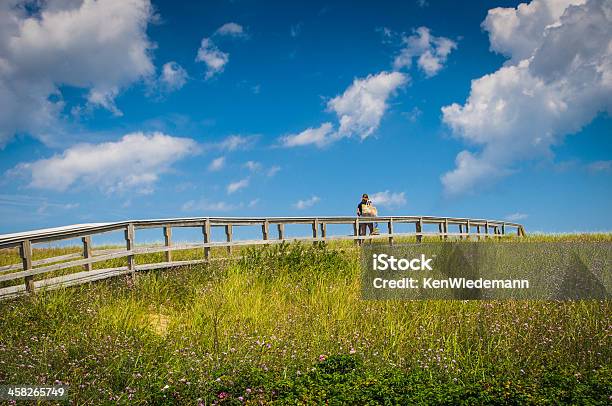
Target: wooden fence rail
<point x="445" y="227"/>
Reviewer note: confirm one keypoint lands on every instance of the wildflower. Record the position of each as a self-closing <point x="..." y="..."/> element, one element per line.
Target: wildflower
<point x="322" y="357"/>
<point x="222" y="395"/>
<point x="248" y="390"/>
<point x="352" y="351"/>
<point x="165" y="387"/>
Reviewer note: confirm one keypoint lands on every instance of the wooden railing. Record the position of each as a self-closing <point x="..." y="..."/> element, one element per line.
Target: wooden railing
<point x="462" y="228"/>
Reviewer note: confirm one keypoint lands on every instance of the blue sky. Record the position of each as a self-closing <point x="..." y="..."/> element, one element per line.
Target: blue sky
<point x="126" y="109"/>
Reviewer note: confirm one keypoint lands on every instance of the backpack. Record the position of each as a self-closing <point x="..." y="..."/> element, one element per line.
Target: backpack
<point x="368" y="210"/>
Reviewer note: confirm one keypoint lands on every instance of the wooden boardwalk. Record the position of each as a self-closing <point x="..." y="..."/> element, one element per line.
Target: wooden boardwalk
<point x="444" y="228"/>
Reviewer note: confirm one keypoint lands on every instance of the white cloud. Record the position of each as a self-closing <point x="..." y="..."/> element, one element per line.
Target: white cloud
<point x="236" y="142"/>
<point x="217" y="164"/>
<point x="319" y="136"/>
<point x="173" y="76"/>
<point x="207" y="205"/>
<point x="471" y="170"/>
<point x="28" y="203"/>
<point x="273" y="170"/>
<point x="236" y="186"/>
<point x="101" y="46"/>
<point x="388" y="199"/>
<point x="431" y="51"/>
<point x="231" y="29"/>
<point x="359" y="110"/>
<point x="600" y="166"/>
<point x="305" y="204"/>
<point x="134" y="162"/>
<point x="253" y="203"/>
<point x="413" y="115"/>
<point x="558" y="78"/>
<point x="214" y="59"/>
<point x="516" y="216"/>
<point x="361" y="107"/>
<point x="295" y="29"/>
<point x="253" y="166"/>
<point x="517" y="32"/>
<point x="258" y="167"/>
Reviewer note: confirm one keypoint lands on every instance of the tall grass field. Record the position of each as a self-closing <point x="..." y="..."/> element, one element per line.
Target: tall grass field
<point x="286" y="324"/>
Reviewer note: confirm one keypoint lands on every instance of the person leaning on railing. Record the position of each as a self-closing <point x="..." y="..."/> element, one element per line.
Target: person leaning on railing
<point x="365" y="208"/>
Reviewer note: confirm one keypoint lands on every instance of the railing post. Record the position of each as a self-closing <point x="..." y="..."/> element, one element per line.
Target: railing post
<point x="460" y="232"/>
<point x="478" y="232"/>
<point x="206" y="238"/>
<point x="228" y="237"/>
<point x="324" y="230"/>
<point x="281" y="231"/>
<point x="265" y="229"/>
<point x="440" y="232"/>
<point x="356" y="231"/>
<point x="446" y="229"/>
<point x="87" y="253"/>
<point x="315" y="229"/>
<point x="129" y="246"/>
<point x="25" y="251"/>
<point x="467" y="226"/>
<point x="503" y="229"/>
<point x="390" y="229"/>
<point x="168" y="242"/>
<point x="486" y="228"/>
<point x="419" y="230"/>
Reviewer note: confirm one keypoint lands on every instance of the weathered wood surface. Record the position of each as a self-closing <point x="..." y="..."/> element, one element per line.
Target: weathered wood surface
<point x="318" y="225"/>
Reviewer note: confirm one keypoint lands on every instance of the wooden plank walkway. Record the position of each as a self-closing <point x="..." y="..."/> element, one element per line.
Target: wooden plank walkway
<point x="445" y="227"/>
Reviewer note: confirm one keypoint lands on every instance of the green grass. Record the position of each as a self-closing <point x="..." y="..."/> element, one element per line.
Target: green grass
<point x="287" y="324"/>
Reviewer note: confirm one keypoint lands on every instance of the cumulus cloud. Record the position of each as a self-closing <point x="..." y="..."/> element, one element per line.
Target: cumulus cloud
<point x="208" y="53"/>
<point x="231" y="29"/>
<point x="100" y="46"/>
<point x="134" y="162"/>
<point x="430" y="51"/>
<point x="236" y="186"/>
<point x="517" y="32"/>
<point x="214" y="59"/>
<point x="319" y="136"/>
<point x="388" y="199"/>
<point x="557" y="79"/>
<point x="307" y="203"/>
<point x="173" y="76"/>
<point x="359" y="110"/>
<point x="217" y="164"/>
<point x="361" y="107"/>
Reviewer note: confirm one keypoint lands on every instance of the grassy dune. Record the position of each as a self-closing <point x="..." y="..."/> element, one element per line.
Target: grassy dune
<point x="287" y="324"/>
